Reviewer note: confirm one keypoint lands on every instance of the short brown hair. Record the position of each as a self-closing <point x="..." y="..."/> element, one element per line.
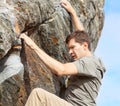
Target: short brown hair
<point x="80" y="37"/>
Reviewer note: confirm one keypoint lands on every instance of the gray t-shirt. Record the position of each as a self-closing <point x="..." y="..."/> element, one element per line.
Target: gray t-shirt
<point x="83" y="88"/>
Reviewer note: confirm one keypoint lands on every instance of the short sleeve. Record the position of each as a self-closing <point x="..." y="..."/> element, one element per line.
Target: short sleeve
<point x="87" y="66"/>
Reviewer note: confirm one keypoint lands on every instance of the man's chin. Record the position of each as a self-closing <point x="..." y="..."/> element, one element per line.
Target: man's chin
<point x="74" y="59"/>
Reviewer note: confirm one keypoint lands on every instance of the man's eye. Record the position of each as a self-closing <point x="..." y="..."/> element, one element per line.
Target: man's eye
<point x="72" y="47"/>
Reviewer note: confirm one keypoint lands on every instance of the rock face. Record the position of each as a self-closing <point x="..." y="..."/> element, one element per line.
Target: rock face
<point x="48" y="24"/>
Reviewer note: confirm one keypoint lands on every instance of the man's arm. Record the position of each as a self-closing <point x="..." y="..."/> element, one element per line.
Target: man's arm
<point x="77" y="24"/>
<point x="55" y="66"/>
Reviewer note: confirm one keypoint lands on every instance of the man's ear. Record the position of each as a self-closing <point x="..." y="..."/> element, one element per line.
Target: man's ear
<point x="85" y="44"/>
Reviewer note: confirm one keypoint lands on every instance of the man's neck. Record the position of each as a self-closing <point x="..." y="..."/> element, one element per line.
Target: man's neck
<point x="88" y="54"/>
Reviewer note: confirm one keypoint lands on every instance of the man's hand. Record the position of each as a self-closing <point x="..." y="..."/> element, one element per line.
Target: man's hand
<point x="28" y="40"/>
<point x="67" y="6"/>
<point x="76" y="22"/>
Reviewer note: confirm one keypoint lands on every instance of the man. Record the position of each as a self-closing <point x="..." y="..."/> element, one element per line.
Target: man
<point x="85" y="73"/>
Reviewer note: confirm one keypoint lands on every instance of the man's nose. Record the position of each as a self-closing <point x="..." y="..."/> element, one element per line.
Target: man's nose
<point x="70" y="51"/>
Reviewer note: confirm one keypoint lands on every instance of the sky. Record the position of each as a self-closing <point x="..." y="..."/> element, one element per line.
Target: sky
<point x="109" y="50"/>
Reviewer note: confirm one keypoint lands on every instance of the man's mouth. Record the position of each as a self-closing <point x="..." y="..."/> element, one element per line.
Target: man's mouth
<point x="74" y="57"/>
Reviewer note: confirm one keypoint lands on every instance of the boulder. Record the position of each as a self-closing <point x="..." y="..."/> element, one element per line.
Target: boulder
<point x="48" y="24"/>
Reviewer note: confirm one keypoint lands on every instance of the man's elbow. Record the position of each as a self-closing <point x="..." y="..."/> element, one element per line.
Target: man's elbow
<point x="60" y="73"/>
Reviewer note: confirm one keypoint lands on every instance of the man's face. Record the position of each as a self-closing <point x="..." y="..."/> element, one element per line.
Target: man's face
<point x="76" y="50"/>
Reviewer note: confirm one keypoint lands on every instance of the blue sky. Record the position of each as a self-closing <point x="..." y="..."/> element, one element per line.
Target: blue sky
<point x="109" y="50"/>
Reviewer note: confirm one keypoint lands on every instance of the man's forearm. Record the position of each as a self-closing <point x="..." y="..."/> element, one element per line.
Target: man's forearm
<point x="55" y="66"/>
<point x="76" y="22"/>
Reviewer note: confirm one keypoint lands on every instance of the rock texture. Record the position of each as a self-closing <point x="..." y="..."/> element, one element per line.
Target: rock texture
<point x="48" y="24"/>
